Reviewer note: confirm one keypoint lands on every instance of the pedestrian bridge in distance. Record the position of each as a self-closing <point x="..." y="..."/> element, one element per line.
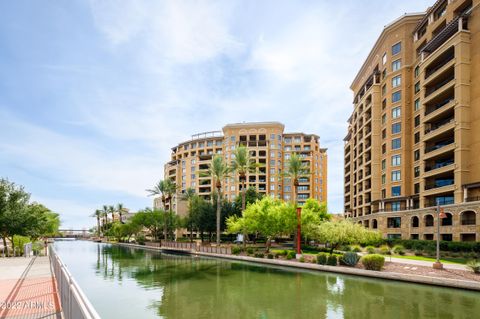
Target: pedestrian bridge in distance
<point x="75" y="233"/>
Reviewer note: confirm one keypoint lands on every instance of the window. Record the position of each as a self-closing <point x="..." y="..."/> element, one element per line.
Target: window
<point x="396" y="128"/>
<point x="384" y="148"/>
<point x="417" y="71"/>
<point x="396" y="65"/>
<point x="384" y="74"/>
<point x="396" y="206"/>
<point x="394" y="222"/>
<point x="396" y="190"/>
<point x="416" y="155"/>
<point x="384" y="89"/>
<point x="272" y="170"/>
<point x="384" y="193"/>
<point x="384" y="133"/>
<point x="396" y="160"/>
<point x="396" y="143"/>
<point x="232" y="138"/>
<point x="417" y="104"/>
<point x="417" y="87"/>
<point x="417" y="120"/>
<point x="384" y="58"/>
<point x="396" y="81"/>
<point x="396" y="96"/>
<point x="396" y="48"/>
<point x="384" y="104"/>
<point x="416" y="138"/>
<point x="396" y="112"/>
<point x="272" y="136"/>
<point x="396" y="176"/>
<point x="287" y="188"/>
<point x="272" y="163"/>
<point x="272" y="187"/>
<point x="384" y="164"/>
<point x="416" y="171"/>
<point x="383" y="179"/>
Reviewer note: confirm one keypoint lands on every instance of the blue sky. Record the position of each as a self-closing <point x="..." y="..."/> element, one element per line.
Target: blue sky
<point x="94" y="93"/>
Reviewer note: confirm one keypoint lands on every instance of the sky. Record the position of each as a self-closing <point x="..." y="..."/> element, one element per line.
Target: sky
<point x="93" y="94"/>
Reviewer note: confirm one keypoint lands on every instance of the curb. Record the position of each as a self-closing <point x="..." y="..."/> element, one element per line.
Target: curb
<point x="419" y="279"/>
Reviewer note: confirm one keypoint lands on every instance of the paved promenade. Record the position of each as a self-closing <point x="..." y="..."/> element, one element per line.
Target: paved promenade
<point x="27" y="289"/>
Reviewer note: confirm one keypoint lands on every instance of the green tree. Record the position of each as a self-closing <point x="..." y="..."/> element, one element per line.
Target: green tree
<point x="153" y="220"/>
<point x="170" y="191"/>
<point x="203" y="216"/>
<point x="344" y="232"/>
<point x="269" y="217"/>
<point x="13" y="211"/>
<point x="219" y="171"/>
<point x="313" y="214"/>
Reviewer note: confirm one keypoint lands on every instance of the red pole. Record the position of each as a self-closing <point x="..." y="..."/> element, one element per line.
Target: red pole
<point x="299" y="232"/>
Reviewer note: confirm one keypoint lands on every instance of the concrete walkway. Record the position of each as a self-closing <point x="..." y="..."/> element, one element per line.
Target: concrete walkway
<point x="423" y="263"/>
<point x="27" y="289"/>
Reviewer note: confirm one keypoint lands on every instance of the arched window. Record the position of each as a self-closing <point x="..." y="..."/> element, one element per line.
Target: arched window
<point x="468" y="217"/>
<point x="366" y="223"/>
<point x="428" y="220"/>
<point x="447" y="221"/>
<point x="415" y="221"/>
<point x="374" y="223"/>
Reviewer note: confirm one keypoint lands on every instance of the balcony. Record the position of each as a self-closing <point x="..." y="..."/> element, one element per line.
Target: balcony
<point x="442" y="127"/>
<point x="439" y="148"/>
<point x="439" y="105"/>
<point x="440" y="62"/>
<point x="446" y="33"/>
<point x="440" y="82"/>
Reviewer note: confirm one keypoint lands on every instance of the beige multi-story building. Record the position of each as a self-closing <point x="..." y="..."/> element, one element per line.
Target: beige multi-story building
<point x="414" y="135"/>
<point x="268" y="145"/>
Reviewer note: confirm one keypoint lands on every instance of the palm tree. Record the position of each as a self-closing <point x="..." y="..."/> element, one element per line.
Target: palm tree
<point x="189" y="195"/>
<point x="170" y="191"/>
<point x="219" y="171"/>
<point x="295" y="170"/>
<point x="98" y="215"/>
<point x="105" y="217"/>
<point x="160" y="189"/>
<point x="120" y="210"/>
<point x="242" y="164"/>
<point x="111" y="210"/>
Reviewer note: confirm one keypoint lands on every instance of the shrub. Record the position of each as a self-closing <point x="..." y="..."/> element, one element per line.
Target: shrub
<point x="356" y="248"/>
<point x="399" y="249"/>
<point x="259" y="255"/>
<point x="470" y="255"/>
<point x="346" y="248"/>
<point x="282" y="252"/>
<point x="370" y="249"/>
<point x="474" y="265"/>
<point x="302" y="259"/>
<point x="236" y="250"/>
<point x="140" y="239"/>
<point x="291" y="255"/>
<point x="350" y="259"/>
<point x="373" y="262"/>
<point x="322" y="259"/>
<point x="270" y="256"/>
<point x="250" y="251"/>
<point x="384" y="250"/>
<point x="332" y="260"/>
<point x="418" y="253"/>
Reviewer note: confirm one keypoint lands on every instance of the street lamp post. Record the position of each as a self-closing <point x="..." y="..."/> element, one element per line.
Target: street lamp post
<point x="299" y="231"/>
<point x="440" y="214"/>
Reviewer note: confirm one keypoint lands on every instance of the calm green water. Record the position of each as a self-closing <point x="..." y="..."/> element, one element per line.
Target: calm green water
<point x="134" y="283"/>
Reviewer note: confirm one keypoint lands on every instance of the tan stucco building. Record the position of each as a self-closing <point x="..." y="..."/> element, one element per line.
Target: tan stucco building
<point x="414" y="135"/>
<point x="269" y="146"/>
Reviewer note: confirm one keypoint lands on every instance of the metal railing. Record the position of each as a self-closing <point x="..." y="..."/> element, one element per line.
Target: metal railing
<point x="75" y="304"/>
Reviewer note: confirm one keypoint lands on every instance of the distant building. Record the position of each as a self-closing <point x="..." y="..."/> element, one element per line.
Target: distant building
<point x="269" y="146"/>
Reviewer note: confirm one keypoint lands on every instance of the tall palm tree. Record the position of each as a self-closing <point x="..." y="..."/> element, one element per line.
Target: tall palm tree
<point x="219" y="171"/>
<point x="105" y="217"/>
<point x="243" y="164"/>
<point x="170" y="191"/>
<point x="111" y="210"/>
<point x="295" y="170"/>
<point x="188" y="196"/>
<point x="120" y="210"/>
<point x="160" y="189"/>
<point x="98" y="215"/>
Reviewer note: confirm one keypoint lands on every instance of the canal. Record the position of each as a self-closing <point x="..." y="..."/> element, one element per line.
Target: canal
<point x="123" y="282"/>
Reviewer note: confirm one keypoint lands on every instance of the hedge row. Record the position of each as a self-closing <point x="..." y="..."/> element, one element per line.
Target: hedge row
<point x="453" y="246"/>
